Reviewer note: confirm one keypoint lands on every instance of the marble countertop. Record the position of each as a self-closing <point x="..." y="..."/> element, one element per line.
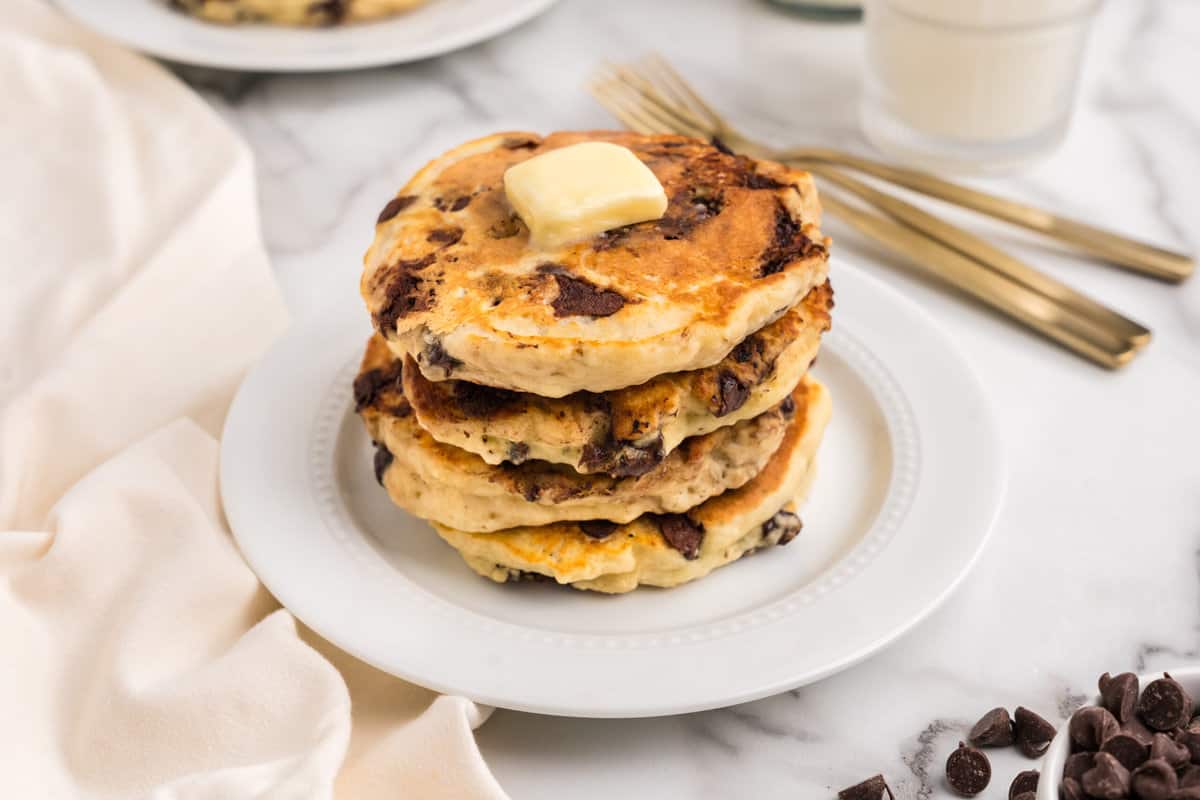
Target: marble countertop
<point x="1095" y="563"/>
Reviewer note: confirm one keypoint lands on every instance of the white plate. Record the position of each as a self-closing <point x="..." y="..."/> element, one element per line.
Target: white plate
<point x="437" y="27"/>
<point x="910" y="482"/>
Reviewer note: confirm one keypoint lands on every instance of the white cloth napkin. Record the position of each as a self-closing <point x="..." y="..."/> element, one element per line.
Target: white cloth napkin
<point x="139" y="657"/>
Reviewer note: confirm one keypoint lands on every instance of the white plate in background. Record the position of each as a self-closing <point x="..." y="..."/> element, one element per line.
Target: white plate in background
<point x="437" y="27"/>
<point x="910" y="479"/>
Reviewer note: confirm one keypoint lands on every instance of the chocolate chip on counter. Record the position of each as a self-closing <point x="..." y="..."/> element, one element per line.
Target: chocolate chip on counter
<point x="1090" y="726"/>
<point x="1071" y="790"/>
<point x="1119" y="694"/>
<point x="873" y="788"/>
<point x="1033" y="733"/>
<point x="597" y="528"/>
<point x="1165" y="705"/>
<point x="577" y="297"/>
<point x="395" y="206"/>
<point x="994" y="729"/>
<point x="1165" y="748"/>
<point x="1154" y="780"/>
<point x="968" y="770"/>
<point x="1077" y="764"/>
<point x="1108" y="780"/>
<point x="1126" y="749"/>
<point x="1025" y="783"/>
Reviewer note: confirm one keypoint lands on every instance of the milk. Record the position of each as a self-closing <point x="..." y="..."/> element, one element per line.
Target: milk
<point x="972" y="82"/>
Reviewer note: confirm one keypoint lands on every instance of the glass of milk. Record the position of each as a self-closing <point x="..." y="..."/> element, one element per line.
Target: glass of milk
<point x="972" y="85"/>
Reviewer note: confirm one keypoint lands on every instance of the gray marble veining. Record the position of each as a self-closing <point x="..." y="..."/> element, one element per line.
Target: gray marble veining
<point x="1094" y="563"/>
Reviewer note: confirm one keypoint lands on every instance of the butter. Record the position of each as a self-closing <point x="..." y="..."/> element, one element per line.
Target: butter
<point x="576" y="192"/>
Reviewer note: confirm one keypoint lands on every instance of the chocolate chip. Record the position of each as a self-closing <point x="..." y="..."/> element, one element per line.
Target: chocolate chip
<point x="1077" y="764"/>
<point x="688" y="209"/>
<point x="383" y="460"/>
<point x="1138" y="730"/>
<point x="1071" y="790"/>
<point x="756" y="180"/>
<point x="328" y="12"/>
<point x="1190" y="738"/>
<point x="724" y="148"/>
<point x="597" y="528"/>
<point x="505" y="228"/>
<point x="577" y="297"/>
<point x="436" y="356"/>
<point x="369" y="384"/>
<point x="789" y="522"/>
<point x="1165" y="705"/>
<point x="532" y="492"/>
<point x="1033" y="734"/>
<point x="1119" y="694"/>
<point x="452" y="204"/>
<point x="788" y="243"/>
<point x="622" y="459"/>
<point x="1126" y="749"/>
<point x="609" y="239"/>
<point x="968" y="770"/>
<point x="1167" y="749"/>
<point x="994" y="729"/>
<point x="483" y="402"/>
<point x="1107" y="780"/>
<point x="395" y="206"/>
<point x="1154" y="780"/>
<point x="520" y="142"/>
<point x="1025" y="796"/>
<point x="460" y="203"/>
<point x="1090" y="726"/>
<point x="407" y="292"/>
<point x="731" y="394"/>
<point x="1025" y="783"/>
<point x="682" y="533"/>
<point x="788" y="406"/>
<point x="1189" y="777"/>
<point x="445" y="236"/>
<point x="517" y="452"/>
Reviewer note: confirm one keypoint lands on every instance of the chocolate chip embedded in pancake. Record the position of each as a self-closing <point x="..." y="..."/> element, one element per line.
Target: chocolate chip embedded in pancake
<point x="739" y="242"/>
<point x="313" y="13"/>
<point x="627" y="431"/>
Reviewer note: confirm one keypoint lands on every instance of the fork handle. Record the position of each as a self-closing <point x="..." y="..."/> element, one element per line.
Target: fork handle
<point x="1137" y="256"/>
<point x="945" y="264"/>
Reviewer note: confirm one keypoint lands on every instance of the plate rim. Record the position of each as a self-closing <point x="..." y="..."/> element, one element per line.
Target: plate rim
<point x="88" y="14"/>
<point x="995" y="487"/>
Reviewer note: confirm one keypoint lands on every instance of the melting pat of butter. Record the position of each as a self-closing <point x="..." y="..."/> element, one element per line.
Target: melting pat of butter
<point x="576" y="192"/>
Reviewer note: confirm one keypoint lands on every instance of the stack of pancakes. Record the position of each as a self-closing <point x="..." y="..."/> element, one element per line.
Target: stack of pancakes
<point x="631" y="409"/>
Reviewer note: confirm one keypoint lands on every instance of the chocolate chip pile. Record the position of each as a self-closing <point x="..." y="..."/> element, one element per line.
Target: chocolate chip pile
<point x="1143" y="745"/>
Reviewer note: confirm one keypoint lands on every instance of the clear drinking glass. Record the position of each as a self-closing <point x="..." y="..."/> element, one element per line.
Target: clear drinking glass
<point x="972" y="85"/>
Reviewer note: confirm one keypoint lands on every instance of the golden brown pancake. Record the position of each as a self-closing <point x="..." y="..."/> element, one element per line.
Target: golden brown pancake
<point x="663" y="550"/>
<point x="444" y="483"/>
<point x="293" y="12"/>
<point x="625" y="431"/>
<point x="452" y="281"/>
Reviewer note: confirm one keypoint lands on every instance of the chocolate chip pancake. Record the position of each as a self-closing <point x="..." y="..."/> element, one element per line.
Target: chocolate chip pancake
<point x="663" y="550"/>
<point x="444" y="483"/>
<point x="293" y="12"/>
<point x="626" y="431"/>
<point x="451" y="278"/>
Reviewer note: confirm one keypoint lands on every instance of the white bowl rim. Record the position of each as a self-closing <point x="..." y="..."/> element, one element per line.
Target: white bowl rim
<point x="1060" y="746"/>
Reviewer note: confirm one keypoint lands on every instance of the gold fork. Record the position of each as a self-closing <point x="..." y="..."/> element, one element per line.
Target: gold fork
<point x="662" y="102"/>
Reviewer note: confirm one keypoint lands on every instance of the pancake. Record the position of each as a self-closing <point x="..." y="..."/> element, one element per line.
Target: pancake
<point x="293" y="12"/>
<point x="451" y="280"/>
<point x="626" y="431"/>
<point x="444" y="483"/>
<point x="663" y="550"/>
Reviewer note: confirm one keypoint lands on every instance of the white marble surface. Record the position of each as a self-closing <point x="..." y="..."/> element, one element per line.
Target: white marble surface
<point x="1095" y="561"/>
